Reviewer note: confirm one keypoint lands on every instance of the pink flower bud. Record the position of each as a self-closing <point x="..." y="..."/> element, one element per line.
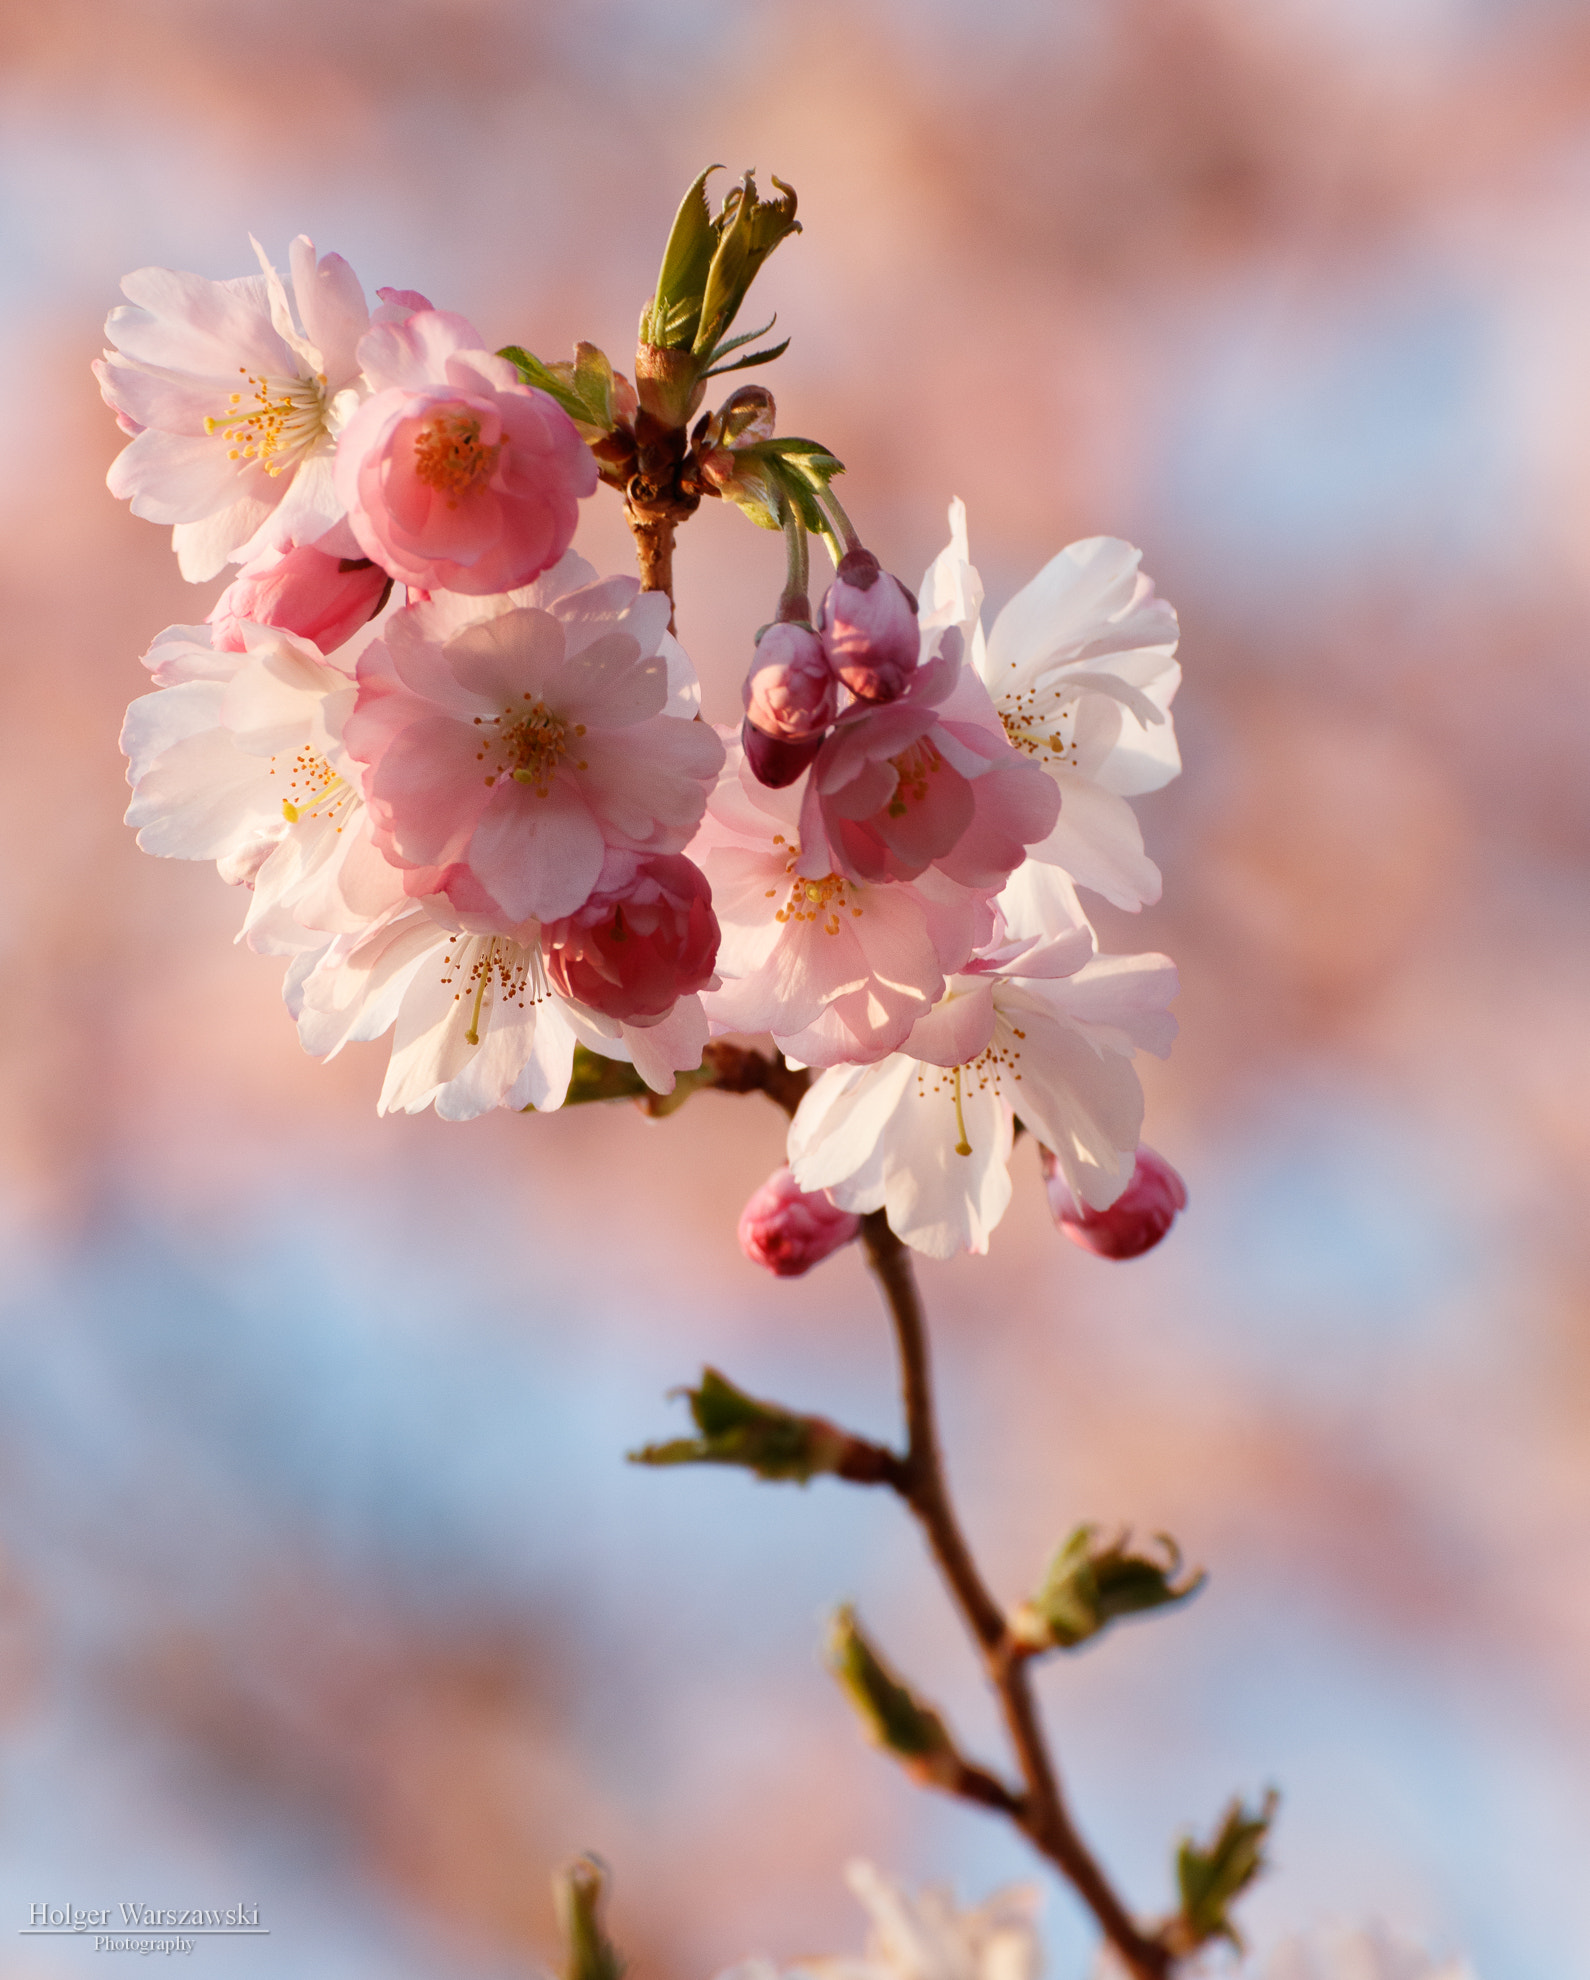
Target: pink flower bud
<point x="869" y="628"/>
<point x="790" y="691"/>
<point x="1137" y="1219"/>
<point x="319" y="597"/>
<point x="645" y="938"/>
<point x="789" y="1231"/>
<point x="773" y="761"/>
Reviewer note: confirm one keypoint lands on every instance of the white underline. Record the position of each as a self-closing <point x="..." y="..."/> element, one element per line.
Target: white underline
<point x="143" y="1932"/>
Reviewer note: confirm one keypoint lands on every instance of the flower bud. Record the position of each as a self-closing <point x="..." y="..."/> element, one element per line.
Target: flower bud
<point x="319" y="597"/>
<point x="789" y="1231"/>
<point x="790" y="692"/>
<point x="869" y="628"/>
<point x="1137" y="1219"/>
<point x="644" y="939"/>
<point x="775" y="762"/>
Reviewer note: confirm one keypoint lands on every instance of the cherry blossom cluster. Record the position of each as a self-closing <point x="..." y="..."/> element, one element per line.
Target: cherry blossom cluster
<point x="896" y="847"/>
<point x="465" y="784"/>
<point x="456" y="772"/>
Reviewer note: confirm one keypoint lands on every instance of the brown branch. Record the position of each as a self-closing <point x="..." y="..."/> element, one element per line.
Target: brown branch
<point x="1041" y="1812"/>
<point x="741" y="1069"/>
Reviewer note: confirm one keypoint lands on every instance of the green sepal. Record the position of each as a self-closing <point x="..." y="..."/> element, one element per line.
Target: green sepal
<point x="1211" y="1877"/>
<point x="671" y="317"/>
<point x="739" y="1429"/>
<point x="579" y="1892"/>
<point x="748" y="230"/>
<point x="596" y="1078"/>
<point x="583" y="388"/>
<point x="892" y="1716"/>
<point x="1086" y="1587"/>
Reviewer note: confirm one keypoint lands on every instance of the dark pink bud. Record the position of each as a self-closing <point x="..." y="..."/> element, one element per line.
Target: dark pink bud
<point x="789" y="1231"/>
<point x="319" y="597"/>
<point x="790" y="691"/>
<point x="1137" y="1219"/>
<point x="645" y="938"/>
<point x="869" y="628"/>
<point x="773" y="761"/>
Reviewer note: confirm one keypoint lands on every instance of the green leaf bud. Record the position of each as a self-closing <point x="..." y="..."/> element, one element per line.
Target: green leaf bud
<point x="776" y="1443"/>
<point x="579" y="1891"/>
<point x="1088" y="1586"/>
<point x="891" y="1715"/>
<point x="1212" y="1876"/>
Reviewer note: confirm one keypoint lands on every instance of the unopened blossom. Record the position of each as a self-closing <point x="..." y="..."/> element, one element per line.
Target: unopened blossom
<point x="320" y="594"/>
<point x="869" y="627"/>
<point x="456" y="474"/>
<point x="836" y="970"/>
<point x="791" y="698"/>
<point x="927" y="1937"/>
<point x="1081" y="667"/>
<point x="1137" y="1219"/>
<point x="790" y="691"/>
<point x="1040" y="1029"/>
<point x="789" y="1230"/>
<point x="644" y="939"/>
<point x="234" y="393"/>
<point x="522" y="746"/>
<point x="477" y="1023"/>
<point x="927" y="780"/>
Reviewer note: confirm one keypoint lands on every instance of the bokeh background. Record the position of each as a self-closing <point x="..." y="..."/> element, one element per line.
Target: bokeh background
<point x="323" y="1584"/>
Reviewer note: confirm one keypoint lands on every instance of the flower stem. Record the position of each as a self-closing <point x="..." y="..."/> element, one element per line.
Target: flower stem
<point x="1041" y="1813"/>
<point x="847" y="529"/>
<point x="794" y="604"/>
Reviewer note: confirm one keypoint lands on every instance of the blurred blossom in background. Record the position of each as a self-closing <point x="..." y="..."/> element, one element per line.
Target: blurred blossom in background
<point x="325" y="1586"/>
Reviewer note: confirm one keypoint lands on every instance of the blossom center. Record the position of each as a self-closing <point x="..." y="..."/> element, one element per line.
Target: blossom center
<point x="989" y="1068"/>
<point x="528" y="745"/>
<point x="314" y="789"/>
<point x="492" y="967"/>
<point x="913" y="767"/>
<point x="451" y="457"/>
<point x="1035" y="733"/>
<point x="822" y="900"/>
<point x="276" y="422"/>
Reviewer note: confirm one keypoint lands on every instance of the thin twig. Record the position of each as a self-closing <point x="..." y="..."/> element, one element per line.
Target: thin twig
<point x="1041" y="1813"/>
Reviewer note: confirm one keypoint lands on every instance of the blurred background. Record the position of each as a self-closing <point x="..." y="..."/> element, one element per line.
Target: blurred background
<point x="323" y="1585"/>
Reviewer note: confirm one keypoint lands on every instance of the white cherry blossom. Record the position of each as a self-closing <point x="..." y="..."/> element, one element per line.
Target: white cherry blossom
<point x="926" y="1937"/>
<point x="1039" y="1028"/>
<point x="1081" y="667"/>
<point x="476" y="1022"/>
<point x="234" y="393"/>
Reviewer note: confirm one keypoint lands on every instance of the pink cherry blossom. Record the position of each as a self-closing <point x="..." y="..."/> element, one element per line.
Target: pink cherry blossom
<point x="835" y="969"/>
<point x="1137" y="1219"/>
<point x="234" y="392"/>
<point x="789" y="1230"/>
<point x="456" y="474"/>
<point x="645" y="938"/>
<point x="926" y="780"/>
<point x="321" y="595"/>
<point x="869" y="627"/>
<point x="521" y="746"/>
